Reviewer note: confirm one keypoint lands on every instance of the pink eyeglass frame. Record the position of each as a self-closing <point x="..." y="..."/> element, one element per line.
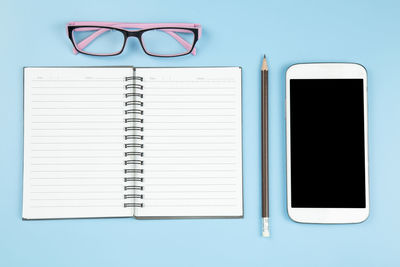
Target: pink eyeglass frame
<point x="169" y="28"/>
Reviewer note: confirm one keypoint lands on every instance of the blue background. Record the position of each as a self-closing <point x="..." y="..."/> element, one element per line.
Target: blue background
<point x="235" y="33"/>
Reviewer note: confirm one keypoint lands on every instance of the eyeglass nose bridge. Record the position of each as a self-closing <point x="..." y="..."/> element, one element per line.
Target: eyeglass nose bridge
<point x="136" y="34"/>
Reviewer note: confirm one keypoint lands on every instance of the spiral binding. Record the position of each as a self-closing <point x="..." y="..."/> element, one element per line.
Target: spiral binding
<point x="134" y="135"/>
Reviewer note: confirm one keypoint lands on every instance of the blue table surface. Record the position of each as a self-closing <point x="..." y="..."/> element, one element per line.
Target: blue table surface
<point x="236" y="33"/>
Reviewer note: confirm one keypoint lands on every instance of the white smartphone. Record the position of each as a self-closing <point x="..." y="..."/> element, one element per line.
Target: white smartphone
<point x="327" y="143"/>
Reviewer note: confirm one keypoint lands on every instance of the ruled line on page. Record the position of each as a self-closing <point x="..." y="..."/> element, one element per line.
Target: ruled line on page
<point x="74" y="206"/>
<point x="75" y="108"/>
<point x="190" y="108"/>
<point x="74" y="94"/>
<point x="68" y="178"/>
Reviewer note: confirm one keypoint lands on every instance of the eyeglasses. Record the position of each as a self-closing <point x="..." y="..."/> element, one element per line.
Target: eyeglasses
<point x="156" y="39"/>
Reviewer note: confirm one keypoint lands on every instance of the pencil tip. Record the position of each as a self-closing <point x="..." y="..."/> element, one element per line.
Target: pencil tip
<point x="264" y="64"/>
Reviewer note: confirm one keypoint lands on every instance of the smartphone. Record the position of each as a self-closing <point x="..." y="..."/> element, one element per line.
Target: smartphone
<point x="327" y="143"/>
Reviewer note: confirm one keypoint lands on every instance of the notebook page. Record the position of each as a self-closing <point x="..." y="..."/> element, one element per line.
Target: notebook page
<point x="74" y="142"/>
<point x="192" y="142"/>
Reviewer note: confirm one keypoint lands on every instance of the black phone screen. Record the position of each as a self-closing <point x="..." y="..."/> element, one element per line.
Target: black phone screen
<point x="327" y="143"/>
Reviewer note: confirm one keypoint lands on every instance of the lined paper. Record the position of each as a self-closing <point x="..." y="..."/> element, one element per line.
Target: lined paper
<point x="192" y="142"/>
<point x="74" y="142"/>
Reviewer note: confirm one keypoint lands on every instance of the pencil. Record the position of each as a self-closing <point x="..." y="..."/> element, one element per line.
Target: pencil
<point x="264" y="122"/>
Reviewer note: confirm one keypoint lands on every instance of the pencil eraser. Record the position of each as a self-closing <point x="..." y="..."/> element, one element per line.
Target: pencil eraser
<point x="265" y="234"/>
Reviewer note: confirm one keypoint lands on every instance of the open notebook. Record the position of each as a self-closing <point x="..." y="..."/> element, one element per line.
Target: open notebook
<point x="124" y="141"/>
